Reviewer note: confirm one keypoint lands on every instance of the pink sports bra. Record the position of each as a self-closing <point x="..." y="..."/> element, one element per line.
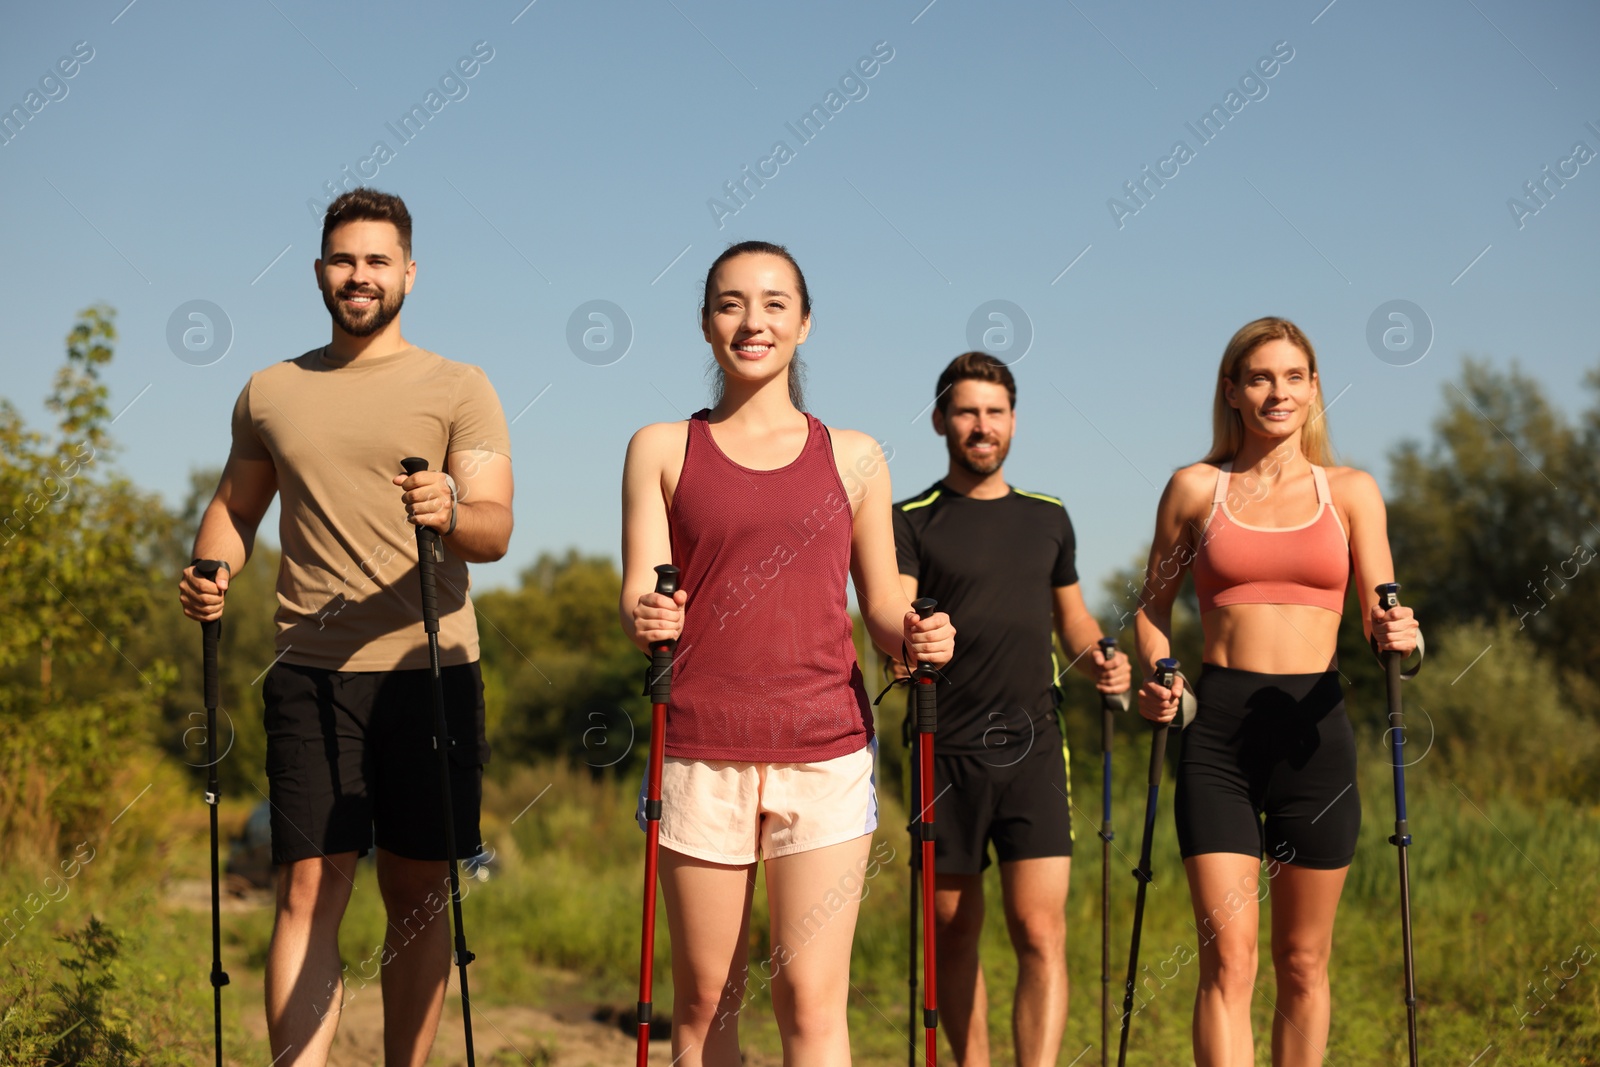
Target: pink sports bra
<point x="1239" y="564"/>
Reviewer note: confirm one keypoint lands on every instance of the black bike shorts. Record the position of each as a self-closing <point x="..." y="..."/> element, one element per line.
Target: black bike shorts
<point x="1025" y="808"/>
<point x="351" y="761"/>
<point x="1268" y="766"/>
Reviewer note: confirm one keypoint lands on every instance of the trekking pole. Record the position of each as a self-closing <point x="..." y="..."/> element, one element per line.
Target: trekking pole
<point x="430" y="551"/>
<point x="1166" y="675"/>
<point x="914" y="828"/>
<point x="1110" y="704"/>
<point x="210" y="636"/>
<point x="923" y="681"/>
<point x="659" y="681"/>
<point x="1389" y="597"/>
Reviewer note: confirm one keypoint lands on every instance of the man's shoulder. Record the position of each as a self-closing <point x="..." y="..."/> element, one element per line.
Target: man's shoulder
<point x="432" y="363"/>
<point x="923" y="502"/>
<point x="428" y="355"/>
<point x="1042" y="508"/>
<point x="1028" y="498"/>
<point x="284" y="368"/>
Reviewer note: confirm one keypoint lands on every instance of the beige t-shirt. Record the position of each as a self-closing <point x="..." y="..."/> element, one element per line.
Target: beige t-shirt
<point x="349" y="596"/>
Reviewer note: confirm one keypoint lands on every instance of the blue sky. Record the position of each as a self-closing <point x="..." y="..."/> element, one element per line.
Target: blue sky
<point x="579" y="162"/>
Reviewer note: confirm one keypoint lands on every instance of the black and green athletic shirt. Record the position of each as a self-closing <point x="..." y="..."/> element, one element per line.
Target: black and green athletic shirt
<point x="994" y="565"/>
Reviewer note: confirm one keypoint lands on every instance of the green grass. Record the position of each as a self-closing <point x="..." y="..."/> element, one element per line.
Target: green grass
<point x="1502" y="895"/>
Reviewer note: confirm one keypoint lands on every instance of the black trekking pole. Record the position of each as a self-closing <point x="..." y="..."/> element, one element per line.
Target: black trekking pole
<point x="923" y="682"/>
<point x="210" y="636"/>
<point x="1389" y="597"/>
<point x="1110" y="704"/>
<point x="659" y="683"/>
<point x="1166" y="675"/>
<point x="430" y="551"/>
<point x="914" y="828"/>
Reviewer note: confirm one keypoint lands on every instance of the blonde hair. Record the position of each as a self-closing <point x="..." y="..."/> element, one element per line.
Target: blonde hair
<point x="1227" y="429"/>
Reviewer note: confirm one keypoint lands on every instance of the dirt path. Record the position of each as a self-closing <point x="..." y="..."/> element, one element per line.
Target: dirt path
<point x="503" y="1036"/>
<point x="513" y="1035"/>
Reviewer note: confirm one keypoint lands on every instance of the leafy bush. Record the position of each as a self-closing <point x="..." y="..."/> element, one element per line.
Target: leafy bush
<point x="67" y="1021"/>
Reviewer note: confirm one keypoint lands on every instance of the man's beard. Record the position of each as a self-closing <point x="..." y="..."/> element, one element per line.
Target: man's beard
<point x="982" y="468"/>
<point x="364" y="324"/>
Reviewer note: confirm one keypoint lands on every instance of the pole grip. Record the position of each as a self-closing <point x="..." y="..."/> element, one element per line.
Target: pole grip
<point x="925" y="677"/>
<point x="1111" y="702"/>
<point x="662" y="651"/>
<point x="430" y="550"/>
<point x="1166" y="676"/>
<point x="210" y="637"/>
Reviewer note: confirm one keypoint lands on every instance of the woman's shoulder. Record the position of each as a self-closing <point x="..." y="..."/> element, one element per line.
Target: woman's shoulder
<point x="1194" y="483"/>
<point x="1353" y="483"/>
<point x="658" y="439"/>
<point x="850" y="445"/>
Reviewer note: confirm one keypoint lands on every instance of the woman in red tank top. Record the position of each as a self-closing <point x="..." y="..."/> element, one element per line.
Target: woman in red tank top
<point x="766" y="512"/>
<point x="1267" y="767"/>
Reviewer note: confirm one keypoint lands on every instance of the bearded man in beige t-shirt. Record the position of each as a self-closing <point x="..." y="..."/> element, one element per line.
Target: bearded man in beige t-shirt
<point x="348" y="701"/>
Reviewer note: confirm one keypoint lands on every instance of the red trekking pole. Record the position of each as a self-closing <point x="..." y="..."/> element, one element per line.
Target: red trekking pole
<point x="923" y="681"/>
<point x="659" y="681"/>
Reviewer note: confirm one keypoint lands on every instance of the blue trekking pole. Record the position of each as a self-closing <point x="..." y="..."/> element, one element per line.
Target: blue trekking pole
<point x="1110" y="704"/>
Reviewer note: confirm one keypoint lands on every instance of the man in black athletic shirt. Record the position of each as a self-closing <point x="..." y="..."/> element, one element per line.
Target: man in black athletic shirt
<point x="1001" y="560"/>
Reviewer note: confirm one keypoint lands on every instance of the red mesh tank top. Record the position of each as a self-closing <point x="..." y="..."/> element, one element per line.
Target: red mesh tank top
<point x="766" y="669"/>
<point x="1305" y="564"/>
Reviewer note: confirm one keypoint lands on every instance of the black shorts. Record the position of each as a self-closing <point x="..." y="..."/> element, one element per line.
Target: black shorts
<point x="1024" y="808"/>
<point x="351" y="762"/>
<point x="1277" y="746"/>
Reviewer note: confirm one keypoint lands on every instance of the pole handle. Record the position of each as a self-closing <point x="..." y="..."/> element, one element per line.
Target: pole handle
<point x="430" y="550"/>
<point x="1166" y="676"/>
<point x="925" y="676"/>
<point x="1389" y="595"/>
<point x="1111" y="702"/>
<point x="210" y="637"/>
<point x="660" y="677"/>
<point x="1167" y="672"/>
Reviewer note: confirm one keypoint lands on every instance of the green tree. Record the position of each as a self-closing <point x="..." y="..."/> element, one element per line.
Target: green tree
<point x="561" y="678"/>
<point x="1497" y="518"/>
<point x="80" y="545"/>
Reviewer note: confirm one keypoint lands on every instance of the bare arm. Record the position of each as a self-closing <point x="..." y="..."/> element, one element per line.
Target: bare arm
<point x="1172" y="549"/>
<point x="1372" y="564"/>
<point x="228" y="532"/>
<point x="1080" y="636"/>
<point x="896" y="666"/>
<point x="880" y="588"/>
<point x="481" y="506"/>
<point x="647" y="616"/>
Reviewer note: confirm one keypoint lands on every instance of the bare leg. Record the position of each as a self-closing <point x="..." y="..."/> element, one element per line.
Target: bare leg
<point x="1223" y="888"/>
<point x="708" y="915"/>
<point x="814" y="898"/>
<point x="963" y="1000"/>
<point x="416" y="955"/>
<point x="1035" y="896"/>
<point x="1303" y="905"/>
<point x="304" y="990"/>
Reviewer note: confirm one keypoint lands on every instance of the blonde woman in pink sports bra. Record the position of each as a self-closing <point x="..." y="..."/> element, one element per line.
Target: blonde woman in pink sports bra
<point x="1266" y="776"/>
